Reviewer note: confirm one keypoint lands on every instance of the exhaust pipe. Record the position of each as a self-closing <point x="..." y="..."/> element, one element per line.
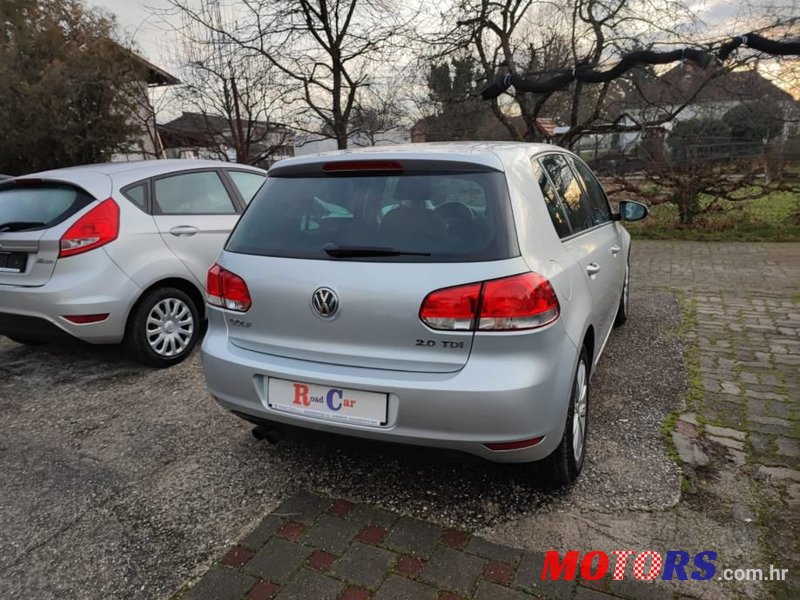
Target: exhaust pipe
<point x="268" y="434"/>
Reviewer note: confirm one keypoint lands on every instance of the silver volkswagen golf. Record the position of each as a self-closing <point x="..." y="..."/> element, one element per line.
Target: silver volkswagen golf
<point x="117" y="252"/>
<point x="454" y="296"/>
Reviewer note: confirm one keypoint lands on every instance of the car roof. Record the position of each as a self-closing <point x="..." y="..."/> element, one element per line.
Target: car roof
<point x="137" y="169"/>
<point x="497" y="155"/>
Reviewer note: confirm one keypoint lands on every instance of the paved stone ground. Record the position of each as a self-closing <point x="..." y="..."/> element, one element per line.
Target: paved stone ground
<point x="743" y="307"/>
<point x="737" y="440"/>
<point x="314" y="547"/>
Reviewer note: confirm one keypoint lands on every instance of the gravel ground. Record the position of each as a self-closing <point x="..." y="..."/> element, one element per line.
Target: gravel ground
<point x="119" y="481"/>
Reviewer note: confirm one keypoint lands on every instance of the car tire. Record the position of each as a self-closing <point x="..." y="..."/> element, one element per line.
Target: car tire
<point x="565" y="463"/>
<point x="624" y="300"/>
<point x="164" y="327"/>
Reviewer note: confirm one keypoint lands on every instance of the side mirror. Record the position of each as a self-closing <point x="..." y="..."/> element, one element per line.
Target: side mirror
<point x="632" y="211"/>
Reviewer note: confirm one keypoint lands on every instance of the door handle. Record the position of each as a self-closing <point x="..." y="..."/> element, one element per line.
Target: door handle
<point x="183" y="230"/>
<point x="615" y="250"/>
<point x="592" y="269"/>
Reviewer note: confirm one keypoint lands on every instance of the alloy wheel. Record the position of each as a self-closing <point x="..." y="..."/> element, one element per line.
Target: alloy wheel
<point x="580" y="394"/>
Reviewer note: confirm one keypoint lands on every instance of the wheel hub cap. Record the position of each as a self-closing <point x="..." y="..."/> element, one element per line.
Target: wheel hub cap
<point x="580" y="396"/>
<point x="170" y="326"/>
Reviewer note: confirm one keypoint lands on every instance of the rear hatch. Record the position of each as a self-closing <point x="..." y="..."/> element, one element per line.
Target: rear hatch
<point x="375" y="238"/>
<point x="29" y="212"/>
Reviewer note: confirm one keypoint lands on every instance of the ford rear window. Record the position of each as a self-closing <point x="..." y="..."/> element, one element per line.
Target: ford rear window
<point x="404" y="217"/>
<point x="28" y="207"/>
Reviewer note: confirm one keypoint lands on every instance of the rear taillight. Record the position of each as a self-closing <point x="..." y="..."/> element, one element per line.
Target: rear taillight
<point x="227" y="290"/>
<point x="451" y="308"/>
<point x="96" y="228"/>
<point x="523" y="301"/>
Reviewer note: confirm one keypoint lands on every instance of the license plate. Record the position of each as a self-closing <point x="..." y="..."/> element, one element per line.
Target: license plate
<point x="327" y="402"/>
<point x="14" y="262"/>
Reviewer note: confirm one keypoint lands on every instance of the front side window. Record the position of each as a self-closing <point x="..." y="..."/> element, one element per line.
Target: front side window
<point x="554" y="207"/>
<point x="427" y="217"/>
<point x="601" y="212"/>
<point x="197" y="193"/>
<point x="572" y="194"/>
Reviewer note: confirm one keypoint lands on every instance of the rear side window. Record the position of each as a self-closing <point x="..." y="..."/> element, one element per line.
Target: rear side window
<point x="554" y="206"/>
<point x="138" y="195"/>
<point x="571" y="192"/>
<point x="247" y="183"/>
<point x="24" y="208"/>
<point x="438" y="217"/>
<point x="601" y="212"/>
<point x="197" y="193"/>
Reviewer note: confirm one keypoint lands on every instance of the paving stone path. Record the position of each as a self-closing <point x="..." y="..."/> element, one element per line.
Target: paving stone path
<point x="744" y="365"/>
<point x="318" y="548"/>
<point x="742" y="306"/>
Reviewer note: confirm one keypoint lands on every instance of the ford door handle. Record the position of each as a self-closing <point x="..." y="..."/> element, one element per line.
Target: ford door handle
<point x="183" y="230"/>
<point x="615" y="250"/>
<point x="592" y="269"/>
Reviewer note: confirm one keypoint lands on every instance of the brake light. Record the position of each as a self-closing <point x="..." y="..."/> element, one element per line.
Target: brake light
<point x="361" y="165"/>
<point x="523" y="301"/>
<point x="96" y="228"/>
<point x="452" y="308"/>
<point x="227" y="290"/>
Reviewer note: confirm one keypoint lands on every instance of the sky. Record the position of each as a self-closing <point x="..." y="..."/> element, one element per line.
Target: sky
<point x="151" y="33"/>
<point x="136" y="22"/>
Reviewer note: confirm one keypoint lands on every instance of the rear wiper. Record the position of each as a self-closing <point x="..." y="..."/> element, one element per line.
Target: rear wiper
<point x="365" y="251"/>
<point x="19" y="225"/>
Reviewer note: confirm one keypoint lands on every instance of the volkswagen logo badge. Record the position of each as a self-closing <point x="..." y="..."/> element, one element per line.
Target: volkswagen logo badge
<point x="325" y="302"/>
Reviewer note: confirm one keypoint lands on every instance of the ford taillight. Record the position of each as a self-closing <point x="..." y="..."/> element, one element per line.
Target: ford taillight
<point x="96" y="228"/>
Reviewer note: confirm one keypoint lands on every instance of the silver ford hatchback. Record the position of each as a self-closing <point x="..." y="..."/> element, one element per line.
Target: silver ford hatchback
<point x="116" y="252"/>
<point x="454" y="296"/>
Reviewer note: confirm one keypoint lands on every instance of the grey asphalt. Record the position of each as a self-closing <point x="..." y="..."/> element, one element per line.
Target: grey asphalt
<point x="120" y="481"/>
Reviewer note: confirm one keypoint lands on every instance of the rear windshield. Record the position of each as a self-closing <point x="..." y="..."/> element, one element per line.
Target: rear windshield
<point x="430" y="217"/>
<point x="24" y="208"/>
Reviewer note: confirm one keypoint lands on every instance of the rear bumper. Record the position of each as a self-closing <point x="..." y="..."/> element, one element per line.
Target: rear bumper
<point x="86" y="284"/>
<point x="499" y="396"/>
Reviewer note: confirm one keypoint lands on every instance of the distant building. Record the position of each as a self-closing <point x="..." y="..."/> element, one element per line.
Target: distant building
<point x="491" y="129"/>
<point x="703" y="93"/>
<point x="148" y="146"/>
<point x="198" y="135"/>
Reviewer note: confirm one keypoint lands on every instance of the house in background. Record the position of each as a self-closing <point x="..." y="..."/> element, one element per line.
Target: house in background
<point x="432" y="128"/>
<point x="198" y="135"/>
<point x="706" y="93"/>
<point x="148" y="146"/>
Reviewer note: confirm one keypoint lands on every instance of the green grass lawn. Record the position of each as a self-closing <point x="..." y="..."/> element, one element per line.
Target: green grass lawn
<point x="773" y="218"/>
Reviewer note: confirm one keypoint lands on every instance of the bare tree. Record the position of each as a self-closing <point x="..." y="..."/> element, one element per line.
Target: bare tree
<point x="541" y="37"/>
<point x="377" y="115"/>
<point x="324" y="50"/>
<point x="233" y="100"/>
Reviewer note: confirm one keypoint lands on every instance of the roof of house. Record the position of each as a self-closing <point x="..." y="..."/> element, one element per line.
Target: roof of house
<point x="156" y="76"/>
<point x="680" y="83"/>
<point x="191" y="122"/>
